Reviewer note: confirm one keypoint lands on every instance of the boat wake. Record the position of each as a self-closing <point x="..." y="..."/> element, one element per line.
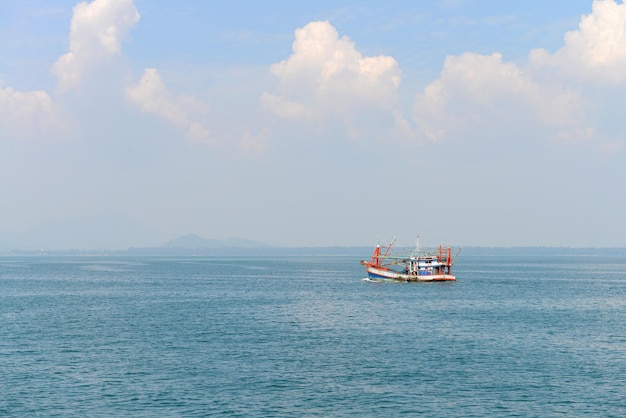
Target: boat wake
<point x="370" y="280"/>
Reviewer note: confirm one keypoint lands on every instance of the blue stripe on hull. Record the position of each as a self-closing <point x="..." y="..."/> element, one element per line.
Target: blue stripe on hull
<point x="392" y="276"/>
<point x="376" y="276"/>
<point x="411" y="278"/>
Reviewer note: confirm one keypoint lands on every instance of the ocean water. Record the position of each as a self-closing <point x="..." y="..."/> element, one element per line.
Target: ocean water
<point x="306" y="336"/>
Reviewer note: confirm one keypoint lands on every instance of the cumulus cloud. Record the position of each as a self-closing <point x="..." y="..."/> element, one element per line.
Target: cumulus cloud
<point x="476" y="91"/>
<point x="285" y="108"/>
<point x="568" y="95"/>
<point x="327" y="74"/>
<point x="96" y="32"/>
<point x="29" y="114"/>
<point x="597" y="50"/>
<point x="152" y="96"/>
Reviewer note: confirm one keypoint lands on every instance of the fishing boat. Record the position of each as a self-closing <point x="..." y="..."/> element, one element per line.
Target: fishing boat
<point x="417" y="266"/>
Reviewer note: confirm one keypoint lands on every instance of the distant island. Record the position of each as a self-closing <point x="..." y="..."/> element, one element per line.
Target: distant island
<point x="196" y="245"/>
<point x="192" y="241"/>
<point x="191" y="245"/>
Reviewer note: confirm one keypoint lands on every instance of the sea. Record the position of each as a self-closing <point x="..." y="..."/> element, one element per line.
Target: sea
<point x="536" y="334"/>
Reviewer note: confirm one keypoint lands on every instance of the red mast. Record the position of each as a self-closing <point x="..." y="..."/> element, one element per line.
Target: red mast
<point x="375" y="257"/>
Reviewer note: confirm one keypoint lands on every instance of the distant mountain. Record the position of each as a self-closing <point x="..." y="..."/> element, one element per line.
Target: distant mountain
<point x="196" y="241"/>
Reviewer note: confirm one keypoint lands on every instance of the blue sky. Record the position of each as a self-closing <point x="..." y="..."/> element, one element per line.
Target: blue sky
<point x="327" y="123"/>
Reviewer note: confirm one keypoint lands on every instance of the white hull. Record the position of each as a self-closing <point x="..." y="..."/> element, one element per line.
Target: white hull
<point x="382" y="273"/>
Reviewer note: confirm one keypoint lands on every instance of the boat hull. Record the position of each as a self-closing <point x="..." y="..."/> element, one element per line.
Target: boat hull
<point x="382" y="273"/>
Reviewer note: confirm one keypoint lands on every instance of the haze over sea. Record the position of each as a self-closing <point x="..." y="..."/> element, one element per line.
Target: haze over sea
<point x="517" y="335"/>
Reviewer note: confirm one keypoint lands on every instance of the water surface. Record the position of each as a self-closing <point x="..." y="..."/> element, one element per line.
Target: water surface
<point x="306" y="336"/>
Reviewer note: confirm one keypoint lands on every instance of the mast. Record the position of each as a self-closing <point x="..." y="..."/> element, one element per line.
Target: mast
<point x="389" y="247"/>
<point x="376" y="257"/>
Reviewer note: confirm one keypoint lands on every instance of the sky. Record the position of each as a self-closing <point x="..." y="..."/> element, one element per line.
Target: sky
<point x="329" y="123"/>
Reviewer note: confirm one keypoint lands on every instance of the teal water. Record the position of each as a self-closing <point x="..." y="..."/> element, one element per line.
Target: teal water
<point x="306" y="336"/>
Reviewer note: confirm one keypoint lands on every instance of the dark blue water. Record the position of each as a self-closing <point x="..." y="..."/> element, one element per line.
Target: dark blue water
<point x="305" y="336"/>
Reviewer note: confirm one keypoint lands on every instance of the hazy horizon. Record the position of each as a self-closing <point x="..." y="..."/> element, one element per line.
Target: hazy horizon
<point x="194" y="244"/>
<point x="131" y="123"/>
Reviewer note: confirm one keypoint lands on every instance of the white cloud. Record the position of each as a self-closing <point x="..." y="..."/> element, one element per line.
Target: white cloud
<point x="96" y="32"/>
<point x="255" y="143"/>
<point x="481" y="91"/>
<point x="566" y="96"/>
<point x="597" y="50"/>
<point x="613" y="147"/>
<point x="29" y="114"/>
<point x="285" y="108"/>
<point x="152" y="96"/>
<point x="327" y="75"/>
